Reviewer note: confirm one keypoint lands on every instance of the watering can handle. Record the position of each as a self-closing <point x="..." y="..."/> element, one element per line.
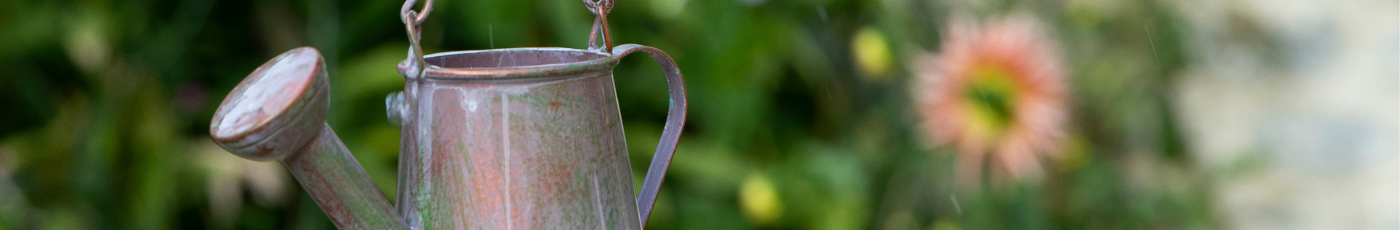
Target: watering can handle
<point x="670" y="136"/>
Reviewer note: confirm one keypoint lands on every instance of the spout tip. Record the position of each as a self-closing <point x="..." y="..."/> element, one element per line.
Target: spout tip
<point x="277" y="109"/>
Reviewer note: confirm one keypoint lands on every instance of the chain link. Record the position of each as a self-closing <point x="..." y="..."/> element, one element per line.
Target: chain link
<point x="406" y="13"/>
<point x="413" y="24"/>
<point x="600" y="24"/>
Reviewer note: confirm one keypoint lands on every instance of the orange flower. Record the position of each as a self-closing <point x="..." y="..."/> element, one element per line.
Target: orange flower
<point x="996" y="92"/>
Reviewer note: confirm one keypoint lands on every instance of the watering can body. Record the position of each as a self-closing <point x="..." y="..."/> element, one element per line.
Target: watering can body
<point x="526" y="155"/>
<point x="541" y="147"/>
<point x="523" y="138"/>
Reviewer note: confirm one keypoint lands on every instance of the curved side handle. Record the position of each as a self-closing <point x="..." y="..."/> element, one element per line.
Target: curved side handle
<point x="670" y="136"/>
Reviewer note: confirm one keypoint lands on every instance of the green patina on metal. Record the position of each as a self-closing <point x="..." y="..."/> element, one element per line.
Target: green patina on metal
<point x="532" y="155"/>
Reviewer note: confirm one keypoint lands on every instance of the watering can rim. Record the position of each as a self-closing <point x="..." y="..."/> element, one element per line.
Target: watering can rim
<point x="596" y="61"/>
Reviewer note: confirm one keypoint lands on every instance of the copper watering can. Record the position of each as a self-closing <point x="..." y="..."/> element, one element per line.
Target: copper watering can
<point x="522" y="138"/>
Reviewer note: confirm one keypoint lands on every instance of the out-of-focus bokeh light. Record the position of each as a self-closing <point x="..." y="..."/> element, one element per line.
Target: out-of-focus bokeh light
<point x="872" y="53"/>
<point x="760" y="200"/>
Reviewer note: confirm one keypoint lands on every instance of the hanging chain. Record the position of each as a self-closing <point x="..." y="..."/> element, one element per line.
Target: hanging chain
<point x="407" y="12"/>
<point x="413" y="23"/>
<point x="600" y="24"/>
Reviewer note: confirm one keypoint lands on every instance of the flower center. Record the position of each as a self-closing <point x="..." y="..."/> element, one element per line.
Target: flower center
<point x="990" y="94"/>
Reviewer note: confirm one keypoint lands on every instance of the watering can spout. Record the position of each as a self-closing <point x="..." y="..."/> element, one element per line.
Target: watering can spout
<point x="278" y="113"/>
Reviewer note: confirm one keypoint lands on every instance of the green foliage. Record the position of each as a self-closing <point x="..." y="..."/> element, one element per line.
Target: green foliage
<point x="107" y="107"/>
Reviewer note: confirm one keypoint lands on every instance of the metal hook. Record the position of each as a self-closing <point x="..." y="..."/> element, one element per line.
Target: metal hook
<point x="593" y="6"/>
<point x="600" y="8"/>
<point x="413" y="22"/>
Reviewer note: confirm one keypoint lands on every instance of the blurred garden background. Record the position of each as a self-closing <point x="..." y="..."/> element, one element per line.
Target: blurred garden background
<point x="804" y="114"/>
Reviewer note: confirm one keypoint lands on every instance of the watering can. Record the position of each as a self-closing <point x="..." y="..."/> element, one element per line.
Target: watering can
<point x="519" y="138"/>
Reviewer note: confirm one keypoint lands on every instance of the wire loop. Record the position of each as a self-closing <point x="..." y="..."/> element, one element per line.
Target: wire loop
<point x="600" y="24"/>
<point x="413" y="24"/>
